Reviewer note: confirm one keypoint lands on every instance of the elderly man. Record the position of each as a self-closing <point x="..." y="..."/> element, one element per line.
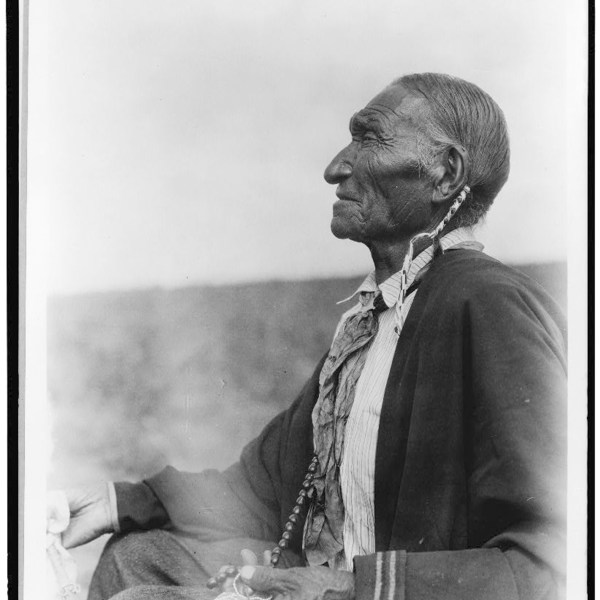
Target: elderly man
<point x="424" y="459"/>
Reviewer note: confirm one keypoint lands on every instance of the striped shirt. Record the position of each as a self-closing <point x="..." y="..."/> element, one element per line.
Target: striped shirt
<point x="357" y="470"/>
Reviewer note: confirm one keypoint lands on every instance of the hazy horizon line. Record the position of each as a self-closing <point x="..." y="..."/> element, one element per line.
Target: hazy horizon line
<point x="239" y="282"/>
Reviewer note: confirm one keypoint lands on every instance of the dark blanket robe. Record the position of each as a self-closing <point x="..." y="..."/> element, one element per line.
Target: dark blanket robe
<point x="470" y="479"/>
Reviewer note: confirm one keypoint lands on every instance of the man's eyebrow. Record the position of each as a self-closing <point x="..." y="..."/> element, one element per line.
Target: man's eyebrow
<point x="363" y="120"/>
<point x="373" y="121"/>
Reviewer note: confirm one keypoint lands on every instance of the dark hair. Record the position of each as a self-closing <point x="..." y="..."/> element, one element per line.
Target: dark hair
<point x="462" y="114"/>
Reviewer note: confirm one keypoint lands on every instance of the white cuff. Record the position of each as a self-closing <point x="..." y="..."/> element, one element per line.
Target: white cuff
<point x="112" y="506"/>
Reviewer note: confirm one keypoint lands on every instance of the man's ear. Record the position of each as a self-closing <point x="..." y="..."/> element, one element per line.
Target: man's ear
<point x="450" y="174"/>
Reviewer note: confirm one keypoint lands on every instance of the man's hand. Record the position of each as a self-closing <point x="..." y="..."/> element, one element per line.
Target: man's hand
<point x="227" y="573"/>
<point x="300" y="583"/>
<point x="90" y="515"/>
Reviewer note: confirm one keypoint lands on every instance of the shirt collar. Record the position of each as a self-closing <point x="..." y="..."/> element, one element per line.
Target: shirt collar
<point x="390" y="288"/>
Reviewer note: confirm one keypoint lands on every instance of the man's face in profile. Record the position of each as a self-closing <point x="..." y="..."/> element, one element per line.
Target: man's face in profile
<point x="383" y="194"/>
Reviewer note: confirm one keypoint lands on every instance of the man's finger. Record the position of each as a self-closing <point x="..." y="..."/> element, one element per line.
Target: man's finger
<point x="249" y="558"/>
<point x="72" y="537"/>
<point x="267" y="558"/>
<point x="263" y="579"/>
<point x="57" y="511"/>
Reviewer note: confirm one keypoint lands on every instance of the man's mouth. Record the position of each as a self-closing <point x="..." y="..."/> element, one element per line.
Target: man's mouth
<point x="344" y="197"/>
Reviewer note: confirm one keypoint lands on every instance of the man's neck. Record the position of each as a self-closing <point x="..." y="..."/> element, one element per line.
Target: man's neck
<point x="388" y="258"/>
<point x="388" y="255"/>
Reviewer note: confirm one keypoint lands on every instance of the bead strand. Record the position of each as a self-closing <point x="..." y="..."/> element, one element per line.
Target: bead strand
<point x="294" y="518"/>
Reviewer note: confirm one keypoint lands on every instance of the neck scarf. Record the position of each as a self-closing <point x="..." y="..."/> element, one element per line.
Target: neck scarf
<point x="325" y="521"/>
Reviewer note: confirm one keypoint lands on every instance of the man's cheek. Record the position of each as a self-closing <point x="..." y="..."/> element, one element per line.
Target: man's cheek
<point x="347" y="220"/>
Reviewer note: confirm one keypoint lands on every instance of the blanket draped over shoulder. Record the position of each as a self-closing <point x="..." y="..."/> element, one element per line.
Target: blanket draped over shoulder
<point x="470" y="479"/>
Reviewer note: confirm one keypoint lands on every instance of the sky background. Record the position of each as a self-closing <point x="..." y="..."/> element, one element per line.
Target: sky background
<point x="184" y="142"/>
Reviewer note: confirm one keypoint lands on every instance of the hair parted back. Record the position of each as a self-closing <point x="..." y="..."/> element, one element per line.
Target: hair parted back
<point x="462" y="114"/>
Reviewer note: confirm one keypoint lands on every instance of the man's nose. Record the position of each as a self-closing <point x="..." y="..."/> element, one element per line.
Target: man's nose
<point x="339" y="168"/>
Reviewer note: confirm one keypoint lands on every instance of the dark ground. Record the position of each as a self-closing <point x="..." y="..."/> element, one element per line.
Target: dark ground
<point x="141" y="379"/>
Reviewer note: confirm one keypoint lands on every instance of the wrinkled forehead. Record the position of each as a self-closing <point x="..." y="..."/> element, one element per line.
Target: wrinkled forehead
<point x="398" y="101"/>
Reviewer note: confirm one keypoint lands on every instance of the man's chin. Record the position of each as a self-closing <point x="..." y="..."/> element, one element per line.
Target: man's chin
<point x="343" y="232"/>
<point x="339" y="230"/>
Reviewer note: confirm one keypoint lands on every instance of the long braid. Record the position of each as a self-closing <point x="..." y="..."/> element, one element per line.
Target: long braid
<point x="408" y="259"/>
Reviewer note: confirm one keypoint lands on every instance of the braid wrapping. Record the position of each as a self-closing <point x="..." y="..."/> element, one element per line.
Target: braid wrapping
<point x="434" y="237"/>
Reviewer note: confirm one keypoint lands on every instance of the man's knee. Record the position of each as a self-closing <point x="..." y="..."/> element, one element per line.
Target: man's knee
<point x="154" y="592"/>
<point x="140" y="592"/>
<point x="138" y="550"/>
<point x="153" y="557"/>
<point x="164" y="558"/>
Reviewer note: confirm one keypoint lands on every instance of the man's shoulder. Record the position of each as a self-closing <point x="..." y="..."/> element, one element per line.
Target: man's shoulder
<point x="472" y="276"/>
<point x="474" y="269"/>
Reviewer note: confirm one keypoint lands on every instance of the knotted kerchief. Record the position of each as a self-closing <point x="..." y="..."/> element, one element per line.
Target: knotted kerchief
<point x="325" y="520"/>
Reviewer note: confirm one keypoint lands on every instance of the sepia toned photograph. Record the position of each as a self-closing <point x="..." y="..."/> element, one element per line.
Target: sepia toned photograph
<point x="300" y="285"/>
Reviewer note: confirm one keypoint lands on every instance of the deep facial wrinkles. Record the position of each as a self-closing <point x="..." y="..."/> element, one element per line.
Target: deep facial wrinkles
<point x="382" y="197"/>
<point x="379" y="119"/>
